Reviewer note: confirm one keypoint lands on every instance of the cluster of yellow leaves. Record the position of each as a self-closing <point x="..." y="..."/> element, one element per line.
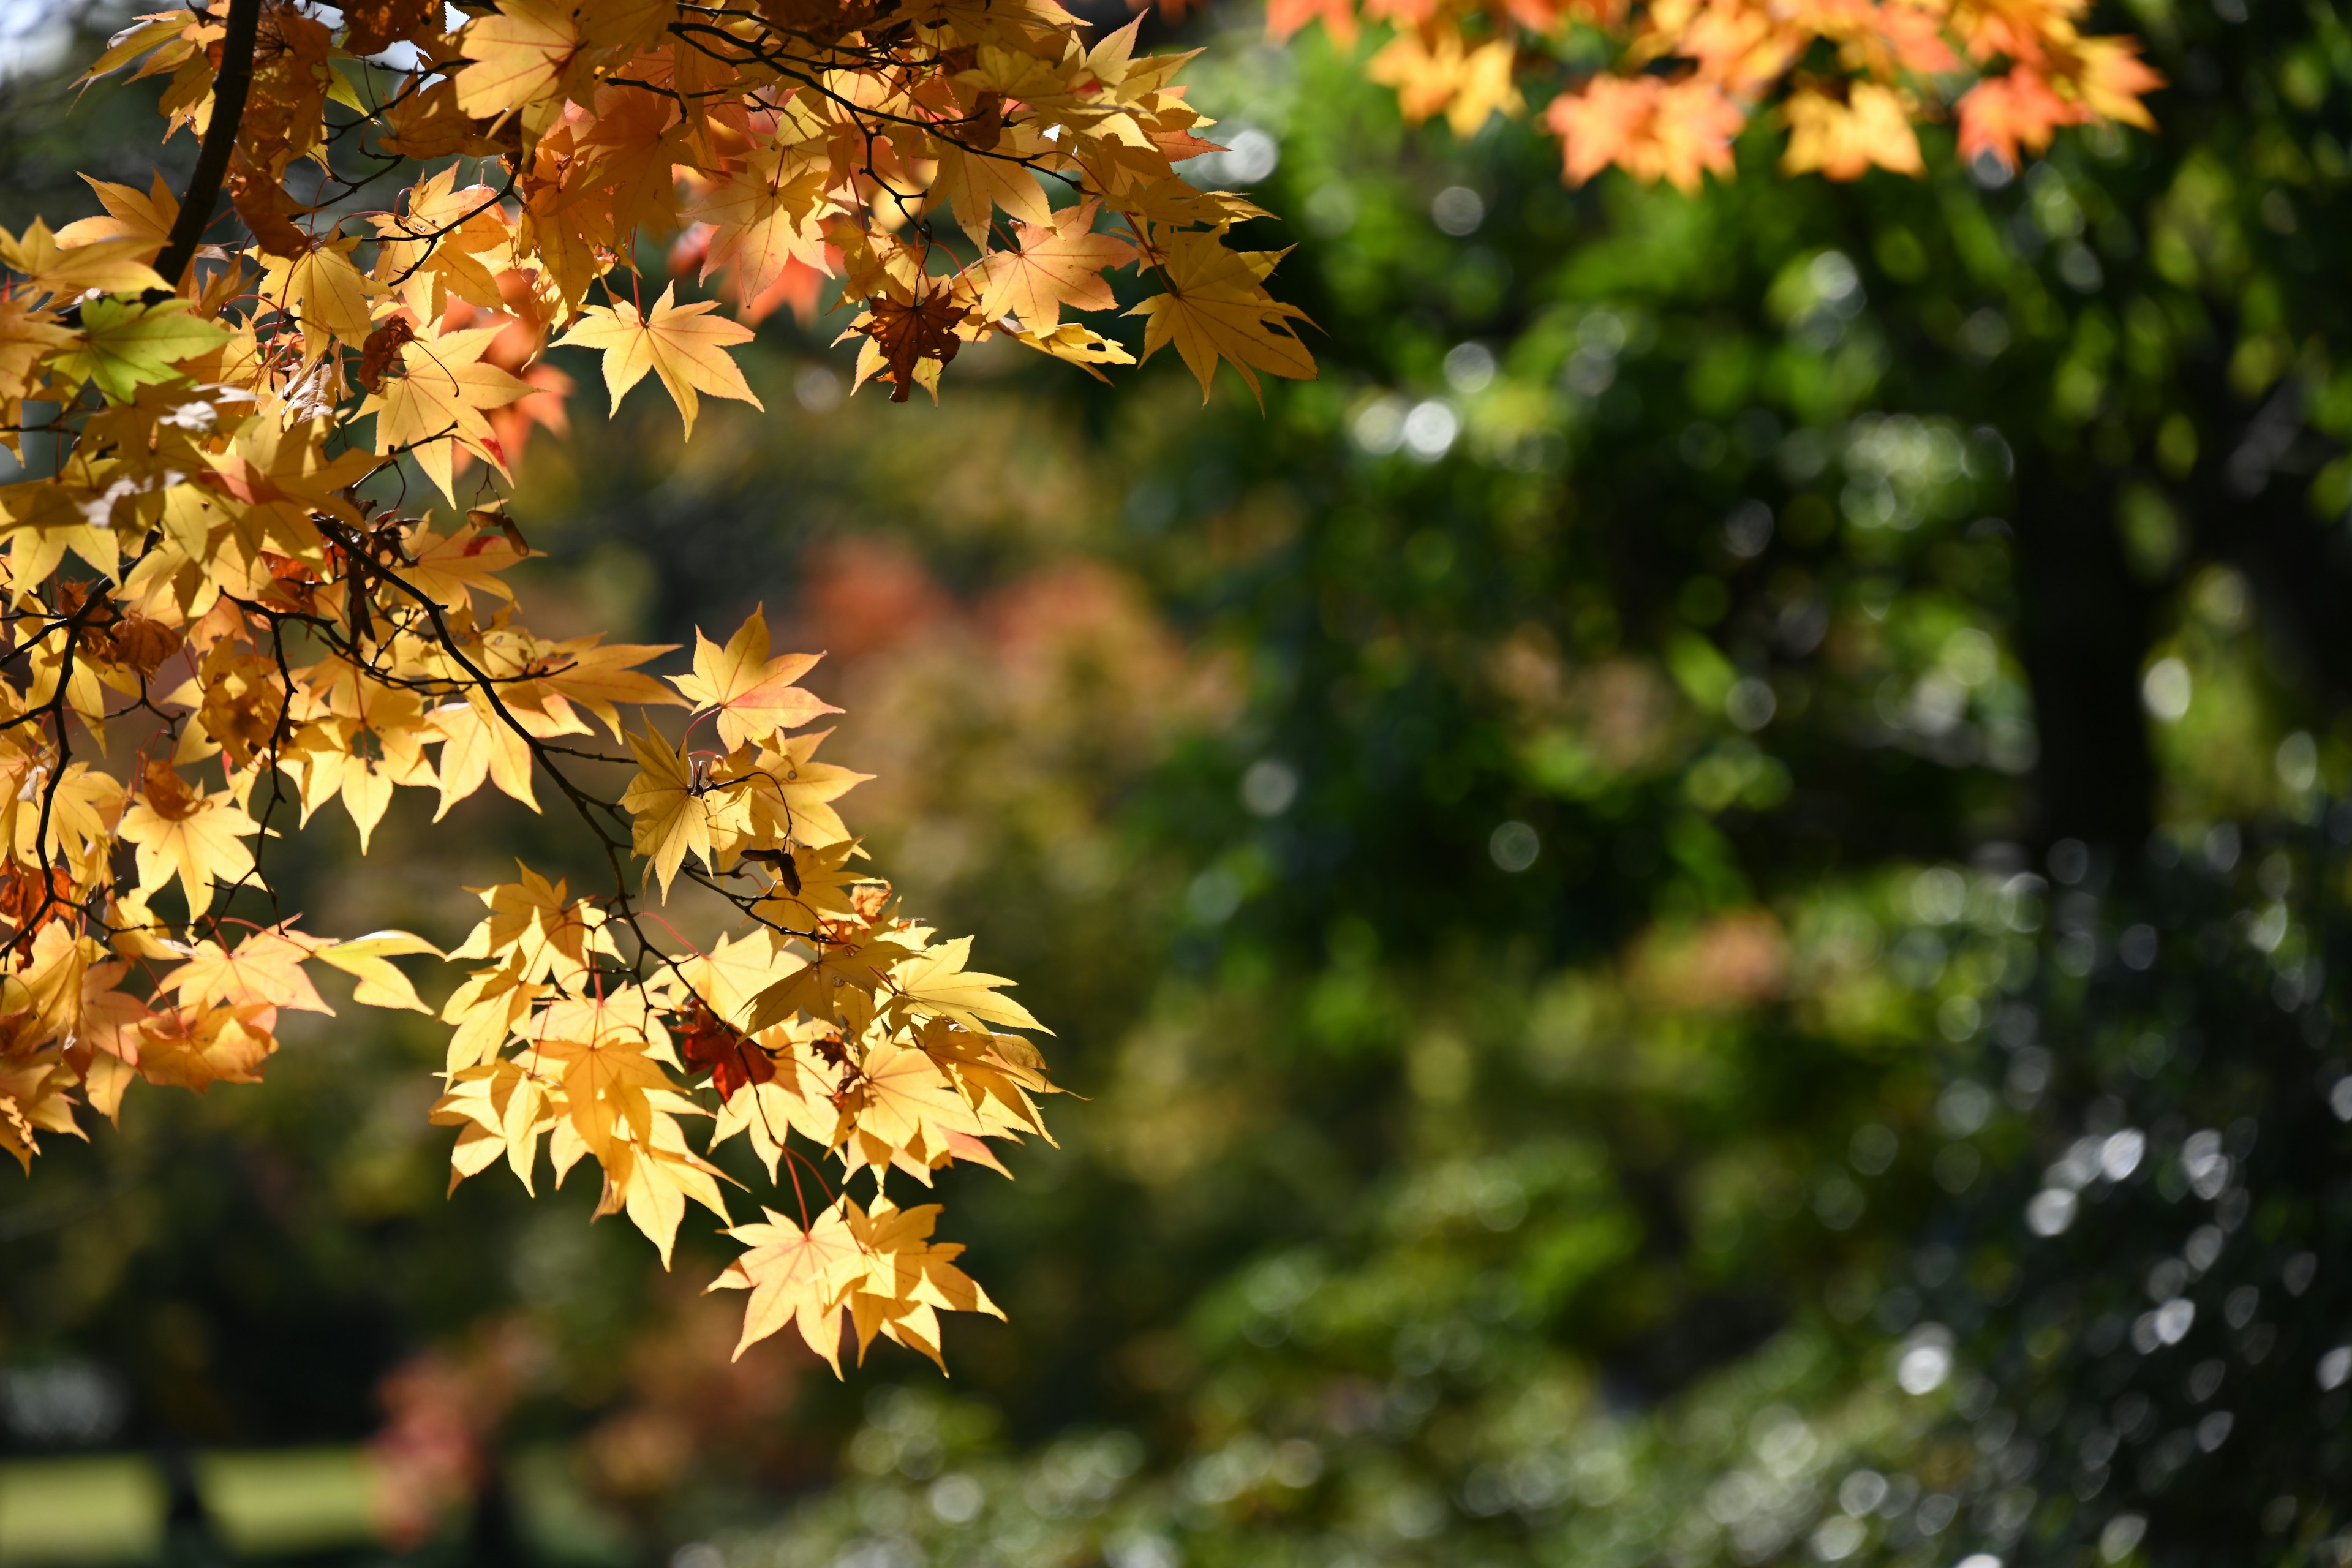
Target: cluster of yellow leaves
<point x="834" y="1018"/>
<point x="213" y="618"/>
<point x="1689" y="75"/>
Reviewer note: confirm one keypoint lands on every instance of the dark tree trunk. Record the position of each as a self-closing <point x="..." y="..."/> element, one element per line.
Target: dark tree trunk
<point x="2083" y="634"/>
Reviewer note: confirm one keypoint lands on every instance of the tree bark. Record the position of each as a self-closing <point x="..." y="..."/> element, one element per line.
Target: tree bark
<point x="229" y="89"/>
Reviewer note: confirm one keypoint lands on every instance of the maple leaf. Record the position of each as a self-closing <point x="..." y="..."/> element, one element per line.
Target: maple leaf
<point x="1843" y="140"/>
<point x="447" y="568"/>
<point x="1216" y="307"/>
<point x="652" y="1179"/>
<point x="912" y="1280"/>
<point x="606" y="1089"/>
<point x="793" y="798"/>
<point x="62" y="271"/>
<point x="901" y="1098"/>
<point x="684" y="345"/>
<point x="197" y="838"/>
<point x="840" y="981"/>
<point x="318" y="286"/>
<point x="534" y="924"/>
<point x="1060" y="263"/>
<point x="503" y="1107"/>
<point x="763" y="219"/>
<point x="191" y="1048"/>
<point x="935" y="983"/>
<point x="440" y="397"/>
<point x="124" y="344"/>
<point x="1468" y="86"/>
<point x="264" y="970"/>
<point x="726" y="977"/>
<point x="752" y="694"/>
<point x="368" y="960"/>
<point x="518" y="52"/>
<point x="974" y="183"/>
<point x="733" y="1061"/>
<point x="2003" y="116"/>
<point x="911" y="339"/>
<point x="1076" y="343"/>
<point x="25" y="337"/>
<point x="2112" y="80"/>
<point x="478" y="747"/>
<point x="796" y="1276"/>
<point x="598" y="676"/>
<point x="1656" y="130"/>
<point x="665" y="803"/>
<point x="143" y="218"/>
<point x="489" y="1007"/>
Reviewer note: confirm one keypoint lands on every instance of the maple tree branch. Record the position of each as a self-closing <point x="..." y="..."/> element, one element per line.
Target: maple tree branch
<point x="792" y="69"/>
<point x="229" y="88"/>
<point x="582" y="803"/>
<point x="55" y="708"/>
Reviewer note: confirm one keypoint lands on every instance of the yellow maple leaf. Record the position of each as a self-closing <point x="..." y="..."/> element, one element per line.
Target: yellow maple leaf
<point x="606" y="1089"/>
<point x="796" y="1276"/>
<point x="195" y="1047"/>
<point x="651" y="1179"/>
<point x="368" y="959"/>
<point x="975" y="182"/>
<point x="934" y="983"/>
<point x="264" y="970"/>
<point x="911" y="1280"/>
<point x="321" y="288"/>
<point x="664" y="802"/>
<point x="546" y="933"/>
<point x="1216" y="307"/>
<point x="902" y="1097"/>
<point x="132" y="214"/>
<point x="67" y="272"/>
<point x="1441" y="75"/>
<point x="479" y="746"/>
<point x="794" y="799"/>
<point x="752" y="694"/>
<point x="1843" y="140"/>
<point x="764" y="216"/>
<point x="1060" y="263"/>
<point x="518" y="52"/>
<point x="441" y="396"/>
<point x="683" y="344"/>
<point x="195" y="837"/>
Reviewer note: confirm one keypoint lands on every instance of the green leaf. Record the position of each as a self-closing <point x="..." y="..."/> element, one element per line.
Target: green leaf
<point x="124" y="344"/>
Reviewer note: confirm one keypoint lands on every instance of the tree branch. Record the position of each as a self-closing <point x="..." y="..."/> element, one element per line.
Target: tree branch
<point x="220" y="140"/>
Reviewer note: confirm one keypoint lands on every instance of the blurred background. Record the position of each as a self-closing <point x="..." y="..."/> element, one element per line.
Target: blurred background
<point x="1700" y="901"/>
